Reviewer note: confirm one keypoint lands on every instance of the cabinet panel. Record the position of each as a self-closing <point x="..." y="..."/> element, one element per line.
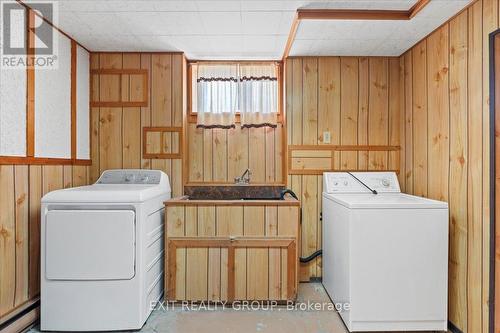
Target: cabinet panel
<point x="220" y="253"/>
<point x="231" y="269"/>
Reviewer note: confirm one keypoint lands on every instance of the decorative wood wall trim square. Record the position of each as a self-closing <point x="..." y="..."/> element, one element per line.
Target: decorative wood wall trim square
<point x="143" y="102"/>
<point x="155" y="138"/>
<point x="316" y="159"/>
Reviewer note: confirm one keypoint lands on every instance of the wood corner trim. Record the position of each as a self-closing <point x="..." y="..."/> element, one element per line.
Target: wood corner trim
<point x="349" y="14"/>
<point x="30" y="84"/>
<point x="73" y="98"/>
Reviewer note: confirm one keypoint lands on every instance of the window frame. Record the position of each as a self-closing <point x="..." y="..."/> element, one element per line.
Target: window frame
<point x="192" y="117"/>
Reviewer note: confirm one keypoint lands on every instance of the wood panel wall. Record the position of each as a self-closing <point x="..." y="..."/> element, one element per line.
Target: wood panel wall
<point x="22" y="188"/>
<point x="358" y="101"/>
<point x="220" y="155"/>
<point x="446" y="135"/>
<point x="117" y="131"/>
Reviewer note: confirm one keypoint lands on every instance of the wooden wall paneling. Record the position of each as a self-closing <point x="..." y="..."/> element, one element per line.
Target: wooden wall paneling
<point x="394" y="117"/>
<point x="67" y="176"/>
<point x="95" y="119"/>
<point x="497" y="182"/>
<point x="289" y="214"/>
<point x="257" y="259"/>
<point x="237" y="153"/>
<point x="7" y="240"/>
<point x="229" y="223"/>
<point x="438" y="110"/>
<point x="363" y="96"/>
<point x="310" y="101"/>
<point x="458" y="171"/>
<point x="408" y="116"/>
<point x="310" y="217"/>
<point x="271" y="144"/>
<point x="35" y="195"/>
<point x="274" y="254"/>
<point x="349" y="100"/>
<point x="419" y="98"/>
<point x="197" y="274"/>
<point x="329" y="85"/>
<point x="52" y="178"/>
<point x="229" y="154"/>
<point x="110" y="120"/>
<point x="256" y="152"/>
<point x="178" y="111"/>
<point x="288" y="70"/>
<point x="145" y="112"/>
<point x="175" y="288"/>
<point x="475" y="198"/>
<point x="378" y="111"/>
<point x="309" y="185"/>
<point x="206" y="148"/>
<point x="80" y="175"/>
<point x="490" y="23"/>
<point x="21" y="190"/>
<point x="196" y="154"/>
<point x="131" y="128"/>
<point x="161" y="100"/>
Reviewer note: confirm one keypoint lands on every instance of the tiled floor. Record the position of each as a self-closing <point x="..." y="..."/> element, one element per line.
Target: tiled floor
<point x="277" y="320"/>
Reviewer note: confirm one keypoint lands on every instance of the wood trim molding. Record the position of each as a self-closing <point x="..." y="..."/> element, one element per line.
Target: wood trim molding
<point x="417" y="7"/>
<point x="162" y="131"/>
<point x="349" y="14"/>
<point x="50" y="23"/>
<point x="314" y="159"/>
<point x="73" y="99"/>
<point x="30" y="160"/>
<point x="121" y="72"/>
<point x="30" y="89"/>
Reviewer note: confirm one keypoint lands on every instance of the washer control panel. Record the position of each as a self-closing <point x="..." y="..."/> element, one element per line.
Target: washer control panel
<point x="147" y="177"/>
<point x="354" y="182"/>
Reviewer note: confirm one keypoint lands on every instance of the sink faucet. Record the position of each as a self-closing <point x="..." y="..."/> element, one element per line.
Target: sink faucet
<point x="244" y="179"/>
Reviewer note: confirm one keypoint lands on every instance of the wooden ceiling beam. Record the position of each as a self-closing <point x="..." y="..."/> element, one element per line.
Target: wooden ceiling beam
<point x="351" y="14"/>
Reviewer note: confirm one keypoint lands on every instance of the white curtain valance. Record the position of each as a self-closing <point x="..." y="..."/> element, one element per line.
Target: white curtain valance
<point x="258" y="95"/>
<point x="224" y="89"/>
<point x="217" y="95"/>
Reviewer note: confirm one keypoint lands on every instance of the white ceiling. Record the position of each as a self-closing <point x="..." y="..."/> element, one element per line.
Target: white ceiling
<point x="243" y="29"/>
<point x="371" y="38"/>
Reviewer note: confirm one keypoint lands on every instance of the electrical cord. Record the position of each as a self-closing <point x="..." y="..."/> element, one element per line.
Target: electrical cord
<point x="359" y="180"/>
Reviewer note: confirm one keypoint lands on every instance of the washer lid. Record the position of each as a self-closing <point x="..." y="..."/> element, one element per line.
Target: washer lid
<point x="384" y="200"/>
<point x="112" y="193"/>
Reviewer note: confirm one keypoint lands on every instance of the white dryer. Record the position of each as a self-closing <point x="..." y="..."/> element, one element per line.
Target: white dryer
<point x="385" y="255"/>
<point x="102" y="252"/>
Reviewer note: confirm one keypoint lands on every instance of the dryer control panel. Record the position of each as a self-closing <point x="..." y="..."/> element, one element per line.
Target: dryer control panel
<point x="124" y="176"/>
<point x="359" y="182"/>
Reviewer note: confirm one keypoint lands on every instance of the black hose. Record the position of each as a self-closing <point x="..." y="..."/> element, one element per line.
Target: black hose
<point x="315" y="254"/>
<point x="312" y="256"/>
<point x="287" y="190"/>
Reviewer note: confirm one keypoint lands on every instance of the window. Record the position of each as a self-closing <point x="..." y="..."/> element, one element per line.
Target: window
<point x="223" y="94"/>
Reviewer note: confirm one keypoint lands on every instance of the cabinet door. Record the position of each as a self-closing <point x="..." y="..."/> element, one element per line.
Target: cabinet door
<point x="228" y="269"/>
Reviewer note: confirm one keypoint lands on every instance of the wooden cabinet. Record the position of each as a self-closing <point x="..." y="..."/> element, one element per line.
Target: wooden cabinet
<point x="229" y="251"/>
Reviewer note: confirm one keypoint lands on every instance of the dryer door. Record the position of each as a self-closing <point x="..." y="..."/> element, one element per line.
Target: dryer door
<point x="90" y="244"/>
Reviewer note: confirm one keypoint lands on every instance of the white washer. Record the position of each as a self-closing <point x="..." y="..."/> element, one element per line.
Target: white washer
<point x="385" y="255"/>
<point x="102" y="252"/>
